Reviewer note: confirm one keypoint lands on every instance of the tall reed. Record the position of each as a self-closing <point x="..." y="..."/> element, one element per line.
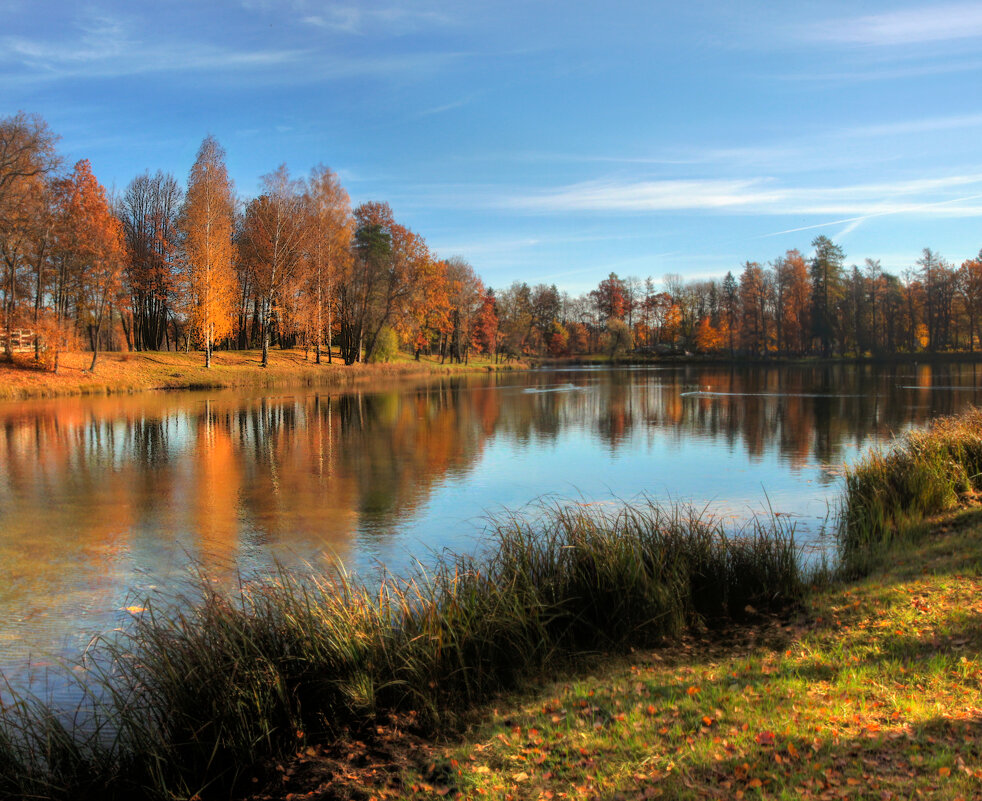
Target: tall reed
<point x="889" y="492"/>
<point x="197" y="696"/>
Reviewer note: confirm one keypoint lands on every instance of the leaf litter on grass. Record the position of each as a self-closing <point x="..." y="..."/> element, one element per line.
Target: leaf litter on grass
<point x="873" y="691"/>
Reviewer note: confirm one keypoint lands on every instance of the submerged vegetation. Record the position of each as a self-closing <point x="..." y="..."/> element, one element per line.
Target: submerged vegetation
<point x="193" y="697"/>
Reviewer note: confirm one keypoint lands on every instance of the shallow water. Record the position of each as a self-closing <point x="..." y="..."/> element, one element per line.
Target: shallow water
<point x="104" y="502"/>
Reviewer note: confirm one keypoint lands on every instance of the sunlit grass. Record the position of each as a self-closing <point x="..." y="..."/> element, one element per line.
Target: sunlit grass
<point x="872" y="690"/>
<point x="138" y="371"/>
<point x="890" y="492"/>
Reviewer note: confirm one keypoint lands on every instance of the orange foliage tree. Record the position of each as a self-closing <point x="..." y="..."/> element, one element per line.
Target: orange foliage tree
<point x="275" y="243"/>
<point x="709" y="338"/>
<point x="93" y="244"/>
<point x="206" y="223"/>
<point x="793" y="286"/>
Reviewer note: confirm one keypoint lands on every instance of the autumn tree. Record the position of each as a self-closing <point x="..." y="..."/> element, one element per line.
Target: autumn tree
<point x="328" y="249"/>
<point x="619" y="338"/>
<point x="793" y="299"/>
<point x="94" y="245"/>
<point x="27" y="159"/>
<point x="610" y="298"/>
<point x="390" y="264"/>
<point x="939" y="282"/>
<point x="558" y="339"/>
<point x="515" y="318"/>
<point x="754" y="303"/>
<point x="26" y="151"/>
<point x="274" y="243"/>
<point x="486" y="326"/>
<point x="372" y="246"/>
<point x="466" y="296"/>
<point x="206" y="225"/>
<point x="970" y="290"/>
<point x="709" y="338"/>
<point x="730" y="299"/>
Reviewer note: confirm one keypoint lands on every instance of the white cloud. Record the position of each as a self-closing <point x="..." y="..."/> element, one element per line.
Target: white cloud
<point x="647" y="196"/>
<point x="925" y="125"/>
<point x="931" y="23"/>
<point x="760" y="196"/>
<point x="108" y="47"/>
<point x="362" y="19"/>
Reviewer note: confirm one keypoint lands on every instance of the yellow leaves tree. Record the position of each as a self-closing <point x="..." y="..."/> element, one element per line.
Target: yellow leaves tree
<point x="328" y="249"/>
<point x="206" y="224"/>
<point x="275" y="243"/>
<point x="709" y="338"/>
<point x="26" y="158"/>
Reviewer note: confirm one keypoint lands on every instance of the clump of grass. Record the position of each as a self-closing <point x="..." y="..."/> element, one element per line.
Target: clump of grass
<point x="197" y="694"/>
<point x="890" y="492"/>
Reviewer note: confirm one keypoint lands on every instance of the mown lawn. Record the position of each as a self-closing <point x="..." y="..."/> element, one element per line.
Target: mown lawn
<point x="873" y="690"/>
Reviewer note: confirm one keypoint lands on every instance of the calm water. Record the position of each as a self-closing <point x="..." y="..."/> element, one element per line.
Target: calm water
<point x="105" y="501"/>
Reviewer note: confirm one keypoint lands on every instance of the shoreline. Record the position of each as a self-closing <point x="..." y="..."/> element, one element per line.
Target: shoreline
<point x="147" y="371"/>
<point x="681" y="360"/>
<point x="134" y="372"/>
<point x="864" y="692"/>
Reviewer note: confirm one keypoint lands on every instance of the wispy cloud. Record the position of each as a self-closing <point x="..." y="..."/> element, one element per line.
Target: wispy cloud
<point x="951" y="63"/>
<point x="493" y="246"/>
<point x="918" y="126"/>
<point x="107" y="47"/>
<point x="758" y="196"/>
<point x="852" y="223"/>
<point x="445" y="107"/>
<point x="362" y="19"/>
<point x="928" y="24"/>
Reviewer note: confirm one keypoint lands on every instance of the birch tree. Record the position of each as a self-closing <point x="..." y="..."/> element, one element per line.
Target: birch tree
<point x="206" y="223"/>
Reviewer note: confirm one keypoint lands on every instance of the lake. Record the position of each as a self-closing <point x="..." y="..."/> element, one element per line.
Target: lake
<point x="107" y="501"/>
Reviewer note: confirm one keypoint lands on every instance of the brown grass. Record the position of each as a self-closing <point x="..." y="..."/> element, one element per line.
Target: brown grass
<point x="138" y="372"/>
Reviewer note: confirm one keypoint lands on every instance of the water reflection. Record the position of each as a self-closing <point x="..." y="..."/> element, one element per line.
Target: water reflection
<point x="103" y="498"/>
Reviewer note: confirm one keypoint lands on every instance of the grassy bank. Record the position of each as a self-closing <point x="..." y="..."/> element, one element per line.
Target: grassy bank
<point x="196" y="698"/>
<point x="141" y="371"/>
<point x="890" y="492"/>
<point x="872" y="690"/>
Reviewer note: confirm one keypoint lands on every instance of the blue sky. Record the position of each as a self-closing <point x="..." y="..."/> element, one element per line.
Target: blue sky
<point x="541" y="140"/>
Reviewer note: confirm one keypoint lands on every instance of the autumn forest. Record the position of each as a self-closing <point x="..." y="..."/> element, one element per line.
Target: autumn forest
<point x="161" y="266"/>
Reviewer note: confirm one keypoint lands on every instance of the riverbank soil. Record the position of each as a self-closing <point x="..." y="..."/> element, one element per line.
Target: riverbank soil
<point x="873" y="690"/>
<point x="140" y="371"/>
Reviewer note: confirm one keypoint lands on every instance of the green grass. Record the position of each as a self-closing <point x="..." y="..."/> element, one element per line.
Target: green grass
<point x="198" y="696"/>
<point x="890" y="492"/>
<point x="872" y="690"/>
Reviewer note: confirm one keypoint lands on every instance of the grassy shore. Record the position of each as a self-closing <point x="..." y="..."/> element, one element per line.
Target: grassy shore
<point x="141" y="371"/>
<point x="872" y="690"/>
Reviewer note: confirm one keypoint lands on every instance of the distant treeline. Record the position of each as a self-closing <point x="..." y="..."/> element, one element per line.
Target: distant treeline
<point x="166" y="266"/>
